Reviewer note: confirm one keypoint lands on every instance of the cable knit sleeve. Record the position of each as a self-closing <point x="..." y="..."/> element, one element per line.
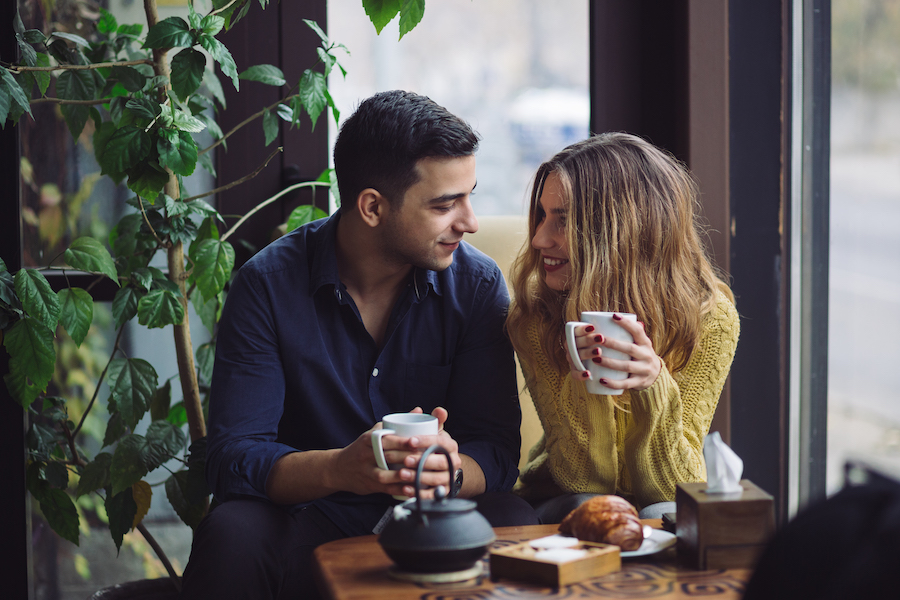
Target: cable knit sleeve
<point x="668" y="420"/>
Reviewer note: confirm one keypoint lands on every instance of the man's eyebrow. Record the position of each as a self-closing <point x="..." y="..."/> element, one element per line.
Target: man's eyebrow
<point x="451" y="197"/>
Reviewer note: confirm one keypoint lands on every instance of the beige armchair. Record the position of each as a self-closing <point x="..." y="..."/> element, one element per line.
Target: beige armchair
<point x="501" y="238"/>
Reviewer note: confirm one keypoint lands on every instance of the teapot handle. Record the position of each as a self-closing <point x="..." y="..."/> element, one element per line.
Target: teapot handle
<point x="431" y="449"/>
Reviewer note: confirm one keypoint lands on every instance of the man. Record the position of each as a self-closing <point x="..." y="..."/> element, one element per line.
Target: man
<point x="378" y="309"/>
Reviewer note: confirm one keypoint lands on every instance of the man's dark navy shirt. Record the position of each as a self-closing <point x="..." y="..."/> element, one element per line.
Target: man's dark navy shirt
<point x="297" y="370"/>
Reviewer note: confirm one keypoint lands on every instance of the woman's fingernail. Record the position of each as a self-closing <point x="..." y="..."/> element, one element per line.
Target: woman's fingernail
<point x="603" y="380"/>
<point x="589" y="328"/>
<point x="617" y="317"/>
<point x="598" y="339"/>
<point x="596" y="351"/>
<point x="597" y="360"/>
<point x="585" y="374"/>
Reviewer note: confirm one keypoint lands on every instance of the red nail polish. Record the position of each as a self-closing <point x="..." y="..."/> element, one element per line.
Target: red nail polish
<point x="617" y="317"/>
<point x="597" y="360"/>
<point x="585" y="374"/>
<point x="603" y="380"/>
<point x="589" y="328"/>
<point x="596" y="351"/>
<point x="598" y="339"/>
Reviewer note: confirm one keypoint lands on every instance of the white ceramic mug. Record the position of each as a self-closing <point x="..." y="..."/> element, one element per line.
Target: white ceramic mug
<point x="403" y="425"/>
<point x="609" y="328"/>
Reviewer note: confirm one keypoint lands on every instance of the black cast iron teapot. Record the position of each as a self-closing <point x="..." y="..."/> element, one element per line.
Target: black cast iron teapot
<point x="436" y="536"/>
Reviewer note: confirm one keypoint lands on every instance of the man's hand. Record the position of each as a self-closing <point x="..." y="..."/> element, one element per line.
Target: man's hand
<point x="304" y="476"/>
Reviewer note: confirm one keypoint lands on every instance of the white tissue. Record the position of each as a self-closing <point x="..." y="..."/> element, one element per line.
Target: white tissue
<point x="723" y="467"/>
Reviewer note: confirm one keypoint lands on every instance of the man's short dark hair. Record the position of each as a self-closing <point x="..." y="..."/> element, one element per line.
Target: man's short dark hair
<point x="379" y="145"/>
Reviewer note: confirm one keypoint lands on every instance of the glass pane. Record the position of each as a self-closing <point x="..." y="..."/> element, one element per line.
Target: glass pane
<point x="516" y="70"/>
<point x="864" y="298"/>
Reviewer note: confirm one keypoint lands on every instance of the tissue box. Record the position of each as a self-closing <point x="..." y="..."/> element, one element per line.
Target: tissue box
<point x="519" y="562"/>
<point x="722" y="531"/>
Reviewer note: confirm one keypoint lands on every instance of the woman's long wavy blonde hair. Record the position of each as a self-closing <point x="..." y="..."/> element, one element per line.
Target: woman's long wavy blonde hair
<point x="634" y="241"/>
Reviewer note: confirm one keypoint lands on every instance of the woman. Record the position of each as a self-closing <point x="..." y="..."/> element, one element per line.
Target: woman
<point x="613" y="227"/>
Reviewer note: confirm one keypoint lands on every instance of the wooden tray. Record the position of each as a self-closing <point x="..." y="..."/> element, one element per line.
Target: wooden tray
<point x="521" y="562"/>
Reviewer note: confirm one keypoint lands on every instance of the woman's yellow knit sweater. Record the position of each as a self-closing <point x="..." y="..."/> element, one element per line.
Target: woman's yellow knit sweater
<point x="589" y="445"/>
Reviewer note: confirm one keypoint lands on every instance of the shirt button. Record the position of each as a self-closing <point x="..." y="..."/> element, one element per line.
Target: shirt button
<point x="337" y="294"/>
<point x="375" y="372"/>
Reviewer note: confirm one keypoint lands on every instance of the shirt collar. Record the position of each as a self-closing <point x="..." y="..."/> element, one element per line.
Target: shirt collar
<point x="324" y="271"/>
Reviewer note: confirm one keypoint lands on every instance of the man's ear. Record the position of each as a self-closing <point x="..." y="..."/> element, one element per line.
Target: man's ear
<point x="371" y="206"/>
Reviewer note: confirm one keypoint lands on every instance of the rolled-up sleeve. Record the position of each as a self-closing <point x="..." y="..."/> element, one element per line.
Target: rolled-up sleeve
<point x="482" y="399"/>
<point x="247" y="394"/>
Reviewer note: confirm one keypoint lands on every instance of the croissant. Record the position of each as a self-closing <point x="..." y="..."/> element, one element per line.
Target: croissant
<point x="605" y="519"/>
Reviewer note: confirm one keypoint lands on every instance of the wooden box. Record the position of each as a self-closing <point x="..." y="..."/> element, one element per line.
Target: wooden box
<point x="521" y="563"/>
<point x="722" y="530"/>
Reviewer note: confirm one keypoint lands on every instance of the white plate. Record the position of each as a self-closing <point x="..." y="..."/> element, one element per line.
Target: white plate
<point x="658" y="541"/>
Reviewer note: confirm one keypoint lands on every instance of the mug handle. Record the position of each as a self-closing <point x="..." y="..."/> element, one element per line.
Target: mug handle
<point x="377" y="434"/>
<point x="570" y="343"/>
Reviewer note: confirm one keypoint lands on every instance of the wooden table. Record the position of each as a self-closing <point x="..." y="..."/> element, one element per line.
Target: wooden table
<point x="357" y="568"/>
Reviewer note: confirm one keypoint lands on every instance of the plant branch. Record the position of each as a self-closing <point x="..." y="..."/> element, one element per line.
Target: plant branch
<point x="269" y="201"/>
<point x="246" y="121"/>
<point x="48" y="100"/>
<point x="223" y="9"/>
<point x="162" y="555"/>
<point x="147" y="221"/>
<point x="99" y="381"/>
<point x="237" y="182"/>
<point x="124" y="63"/>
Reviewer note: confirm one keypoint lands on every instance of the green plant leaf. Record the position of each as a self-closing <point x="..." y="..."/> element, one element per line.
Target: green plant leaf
<point x="29" y="54"/>
<point x="312" y="93"/>
<point x="75" y="39"/>
<point x="212" y="24"/>
<point x="182" y="120"/>
<point x="132" y="30"/>
<point x="164" y="441"/>
<point x="95" y="475"/>
<point x="147" y="180"/>
<point x="222" y="56"/>
<point x="14" y="90"/>
<point x="32" y="359"/>
<point x="173" y="32"/>
<point x="37" y="297"/>
<point x="161" y="401"/>
<point x="177" y="415"/>
<point x="125" y="304"/>
<point x="206" y="357"/>
<point x="381" y="12"/>
<point x="125" y="149"/>
<point x="87" y="254"/>
<point x="270" y="126"/>
<point x="57" y="475"/>
<point x="107" y="23"/>
<point x="267" y="74"/>
<point x="8" y="290"/>
<point x="160" y="308"/>
<point x="304" y="214"/>
<point x="5" y="102"/>
<point x="188" y="67"/>
<point x="411" y="12"/>
<point x="212" y="83"/>
<point x="214" y="263"/>
<point x="327" y="59"/>
<point x="115" y="428"/>
<point x="77" y="312"/>
<point x="209" y="311"/>
<point x="130" y="78"/>
<point x="42" y="78"/>
<point x="126" y="467"/>
<point x="318" y="30"/>
<point x="144" y="108"/>
<point x="186" y="492"/>
<point x="60" y="512"/>
<point x="76" y="116"/>
<point x="177" y="151"/>
<point x="121" y="510"/>
<point x="132" y="382"/>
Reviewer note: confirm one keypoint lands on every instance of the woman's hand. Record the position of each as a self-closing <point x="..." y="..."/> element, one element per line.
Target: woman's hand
<point x="642" y="369"/>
